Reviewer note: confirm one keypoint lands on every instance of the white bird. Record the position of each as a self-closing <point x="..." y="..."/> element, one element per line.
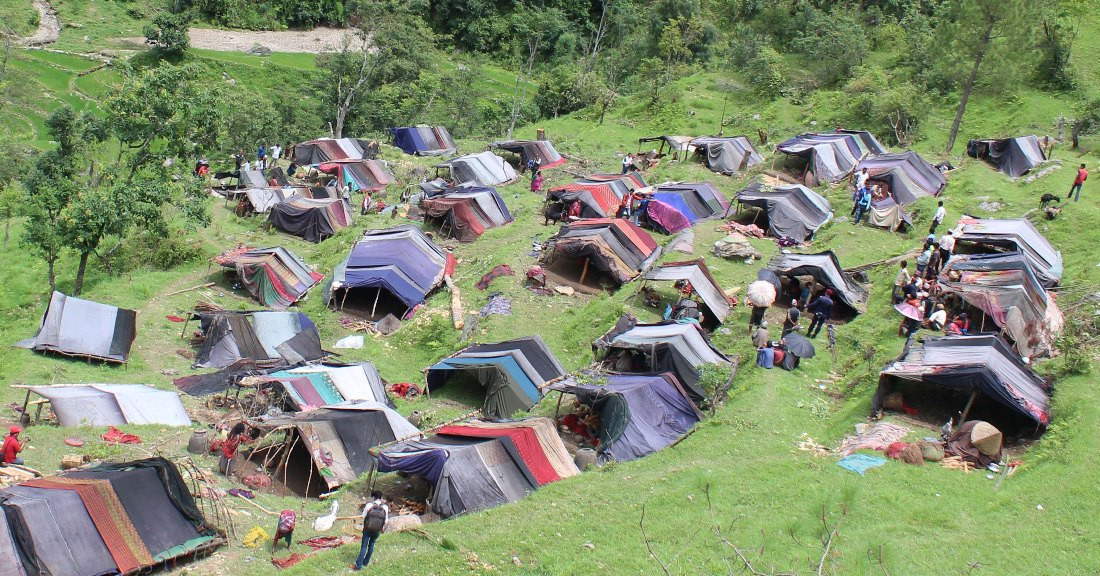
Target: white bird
<point x="325" y="522"/>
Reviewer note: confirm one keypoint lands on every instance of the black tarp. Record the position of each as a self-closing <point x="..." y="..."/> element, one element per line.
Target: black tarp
<point x="826" y="270"/>
<point x="1013" y="156"/>
<point x="793" y="211"/>
<point x="55" y="533"/>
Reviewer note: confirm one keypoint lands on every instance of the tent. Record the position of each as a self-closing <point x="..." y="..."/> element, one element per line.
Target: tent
<point x="466" y="473"/>
<point x="86" y="329"/>
<point x="284" y="338"/>
<point x="531" y="149"/>
<point x="526" y="433"/>
<point x="613" y="246"/>
<point x="639" y="414"/>
<point x="111" y="519"/>
<point x="316" y="385"/>
<point x="311" y="219"/>
<point x="678" y="146"/>
<point x="1013" y="156"/>
<point x="113" y="404"/>
<point x="323" y="150"/>
<point x="903" y="176"/>
<point x="358" y="175"/>
<point x="424" y="140"/>
<point x="826" y="270"/>
<point x="698" y="200"/>
<point x="888" y="214"/>
<point x="253" y="179"/>
<point x="697" y="273"/>
<point x="1018" y="235"/>
<point x="401" y="262"/>
<point x="333" y="440"/>
<point x="512" y="373"/>
<point x="666" y="218"/>
<point x="984" y="364"/>
<point x="1005" y="288"/>
<point x="465" y="213"/>
<point x="726" y="155"/>
<point x="793" y="211"/>
<point x="261" y="200"/>
<point x="599" y="194"/>
<point x="275" y="277"/>
<point x="483" y="168"/>
<point x="831" y="156"/>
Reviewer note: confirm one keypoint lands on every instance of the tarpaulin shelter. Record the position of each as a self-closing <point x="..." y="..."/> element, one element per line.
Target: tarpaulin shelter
<point x="253" y="179"/>
<point x="282" y="337"/>
<point x="316" y="385"/>
<point x="86" y="329"/>
<point x="1017" y="235"/>
<point x="466" y="473"/>
<point x="831" y="156"/>
<point x="400" y="262"/>
<point x="262" y="199"/>
<point x="274" y="276"/>
<point x="528" y="150"/>
<point x="369" y="175"/>
<point x="424" y="140"/>
<point x="726" y="155"/>
<point x="310" y="219"/>
<point x="701" y="199"/>
<point x="1005" y="288"/>
<point x="1013" y="156"/>
<point x="613" y="246"/>
<point x="638" y="414"/>
<point x="324" y="150"/>
<point x="665" y="218"/>
<point x="111" y="519"/>
<point x="678" y="146"/>
<point x="113" y="404"/>
<point x="465" y="213"/>
<point x="599" y="194"/>
<point x="985" y="363"/>
<point x="536" y="438"/>
<point x="904" y="176"/>
<point x="483" y="168"/>
<point x="793" y="211"/>
<point x="702" y="283"/>
<point x="886" y="213"/>
<point x="334" y="441"/>
<point x="826" y="270"/>
<point x="512" y="373"/>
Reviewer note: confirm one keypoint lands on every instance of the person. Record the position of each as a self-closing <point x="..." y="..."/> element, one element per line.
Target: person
<point x="765" y="356"/>
<point x="911" y="288"/>
<point x="238" y="159"/>
<point x="790" y="324"/>
<point x="938" y="318"/>
<point x="960" y="325"/>
<point x="757" y="318"/>
<point x="922" y="260"/>
<point x="290" y="170"/>
<point x="625" y="205"/>
<point x="375" y="515"/>
<point x="276" y="151"/>
<point x="261" y="157"/>
<point x="822" y="309"/>
<point x="760" y="337"/>
<point x="575" y="210"/>
<point x="861" y="187"/>
<point x="535" y="166"/>
<point x="938" y="217"/>
<point x="947" y="247"/>
<point x="285" y="529"/>
<point x="1082" y="175"/>
<point x="536" y="182"/>
<point x="367" y="201"/>
<point x="237" y="434"/>
<point x="804" y="295"/>
<point x="935" y="262"/>
<point x="643" y="206"/>
<point x="12" y="447"/>
<point x="246" y="166"/>
<point x="901" y="280"/>
<point x="628" y="160"/>
<point x="863" y="205"/>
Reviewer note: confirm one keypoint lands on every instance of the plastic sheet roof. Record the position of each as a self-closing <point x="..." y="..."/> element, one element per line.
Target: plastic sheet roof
<point x="76" y="327"/>
<point x="794" y="211"/>
<point x="832" y="155"/>
<point x="1017" y="234"/>
<point x="113" y="405"/>
<point x="401" y="260"/>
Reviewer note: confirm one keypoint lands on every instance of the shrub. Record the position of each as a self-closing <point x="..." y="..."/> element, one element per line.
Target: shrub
<point x="168" y="33"/>
<point x="765" y="73"/>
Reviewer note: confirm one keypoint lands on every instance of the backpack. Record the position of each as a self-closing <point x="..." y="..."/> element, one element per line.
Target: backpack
<point x="375" y="519"/>
<point x="287" y="520"/>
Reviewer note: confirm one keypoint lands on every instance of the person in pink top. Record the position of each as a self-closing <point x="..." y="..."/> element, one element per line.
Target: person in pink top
<point x="1082" y="175"/>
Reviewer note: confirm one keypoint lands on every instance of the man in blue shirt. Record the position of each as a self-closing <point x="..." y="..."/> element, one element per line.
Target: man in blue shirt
<point x="822" y="309"/>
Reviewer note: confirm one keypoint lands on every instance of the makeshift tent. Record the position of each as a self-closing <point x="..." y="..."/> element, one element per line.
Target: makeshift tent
<point x="678" y="146"/>
<point x="702" y="283"/>
<point x="86" y="329"/>
<point x="1005" y="288"/>
<point x="113" y="405"/>
<point x="665" y="218"/>
<point x="359" y="175"/>
<point x="905" y="177"/>
<point x="483" y="168"/>
<point x="260" y="200"/>
<point x="638" y="414"/>
<point x="1013" y="156"/>
<point x="253" y="179"/>
<point x="528" y="150"/>
<point x="274" y="276"/>
<point x="311" y="219"/>
<point x="424" y="140"/>
<point x="285" y="338"/>
<point x="465" y="213"/>
<point x="334" y="441"/>
<point x="324" y="150"/>
<point x="697" y="200"/>
<point x="111" y="519"/>
<point x="512" y="373"/>
<point x="831" y="156"/>
<point x="886" y="213"/>
<point x="1018" y="235"/>
<point x="466" y="474"/>
<point x="613" y="246"/>
<point x="400" y="262"/>
<point x="315" y="385"/>
<point x="793" y="211"/>
<point x="726" y="155"/>
<point x="984" y="364"/>
<point x="544" y="431"/>
<point x="599" y="194"/>
<point x="826" y="270"/>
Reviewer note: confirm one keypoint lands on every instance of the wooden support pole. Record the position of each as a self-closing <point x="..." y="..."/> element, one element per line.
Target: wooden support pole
<point x="457" y="314"/>
<point x="374" y="307"/>
<point x="584" y="271"/>
<point x="969" y="404"/>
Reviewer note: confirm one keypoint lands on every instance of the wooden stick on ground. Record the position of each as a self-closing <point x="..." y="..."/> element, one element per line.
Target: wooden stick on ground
<point x="207" y="285"/>
<point x="457" y="315"/>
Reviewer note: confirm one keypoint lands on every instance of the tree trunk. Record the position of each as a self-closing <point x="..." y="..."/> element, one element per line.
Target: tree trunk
<point x="53" y="275"/>
<point x="7" y="231"/>
<point x="79" y="284"/>
<point x="987" y="38"/>
<point x="341" y="114"/>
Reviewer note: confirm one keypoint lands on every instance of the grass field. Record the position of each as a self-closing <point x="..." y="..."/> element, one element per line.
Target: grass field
<point x="740" y="480"/>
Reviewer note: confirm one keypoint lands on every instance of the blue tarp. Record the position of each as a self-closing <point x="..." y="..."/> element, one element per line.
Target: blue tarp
<point x="860" y="463"/>
<point x="506" y="363"/>
<point x="408" y="140"/>
<point x="401" y="260"/>
<point x="677" y="202"/>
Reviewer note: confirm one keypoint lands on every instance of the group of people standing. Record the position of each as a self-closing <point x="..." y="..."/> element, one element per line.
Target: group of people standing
<point x="921" y="289"/>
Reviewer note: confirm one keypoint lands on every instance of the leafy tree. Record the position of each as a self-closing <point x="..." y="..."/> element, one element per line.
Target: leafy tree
<point x="563" y="89"/>
<point x="1058" y="26"/>
<point x="1087" y="121"/>
<point x="18" y="161"/>
<point x="885" y="103"/>
<point x="168" y="33"/>
<point x="765" y="73"/>
<point x="834" y="42"/>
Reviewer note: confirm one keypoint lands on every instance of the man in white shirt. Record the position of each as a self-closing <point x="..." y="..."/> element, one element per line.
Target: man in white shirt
<point x="861" y="185"/>
<point x="938" y="217"/>
<point x="938" y="318"/>
<point x="276" y="151"/>
<point x="901" y="280"/>
<point x="947" y="247"/>
<point x="375" y="515"/>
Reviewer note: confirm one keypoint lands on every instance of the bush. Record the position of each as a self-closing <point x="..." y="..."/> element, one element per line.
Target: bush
<point x="562" y="91"/>
<point x="765" y="73"/>
<point x="168" y="33"/>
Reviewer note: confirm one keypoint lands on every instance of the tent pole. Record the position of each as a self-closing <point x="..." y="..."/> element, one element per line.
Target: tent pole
<point x="557" y="409"/>
<point x="344" y="299"/>
<point x="377" y="295"/>
<point x="966" y="410"/>
<point x="584" y="271"/>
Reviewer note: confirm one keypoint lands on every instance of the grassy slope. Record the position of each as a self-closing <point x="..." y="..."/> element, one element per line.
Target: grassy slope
<point x="761" y="489"/>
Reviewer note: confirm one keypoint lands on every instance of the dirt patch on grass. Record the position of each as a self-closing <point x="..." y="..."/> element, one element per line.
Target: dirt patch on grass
<point x="308" y="41"/>
<point x="49" y="26"/>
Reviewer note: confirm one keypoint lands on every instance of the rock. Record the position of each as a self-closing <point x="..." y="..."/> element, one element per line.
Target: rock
<point x="736" y="246"/>
<point x="590" y="545"/>
<point x="402" y="523"/>
<point x="584" y="458"/>
<point x="565" y="290"/>
<point x="259" y="50"/>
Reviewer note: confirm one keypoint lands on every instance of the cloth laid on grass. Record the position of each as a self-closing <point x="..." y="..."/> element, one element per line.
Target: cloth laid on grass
<point x="1013" y="156"/>
<point x="831" y="156"/>
<point x="860" y="463"/>
<point x="483" y="168"/>
<point x="877" y="436"/>
<point x="1018" y="235"/>
<point x="322" y="150"/>
<point x="793" y="211"/>
<point x="512" y="372"/>
<point x="261" y="336"/>
<point x="528" y="150"/>
<point x="614" y="246"/>
<point x="599" y="194"/>
<point x="497" y="271"/>
<point x="904" y="176"/>
<point x="697" y="273"/>
<point x="401" y="260"/>
<point x="275" y="277"/>
<point x="499" y="304"/>
<point x="424" y="140"/>
<point x="826" y="270"/>
<point x="726" y="155"/>
<point x="984" y="363"/>
<point x="466" y="213"/>
<point x="310" y="219"/>
<point x="113" y="404"/>
<point x="82" y="328"/>
<point x="359" y="175"/>
<point x="639" y="414"/>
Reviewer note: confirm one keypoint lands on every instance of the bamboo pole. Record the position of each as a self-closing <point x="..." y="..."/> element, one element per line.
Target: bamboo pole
<point x="456" y="304"/>
<point x="584" y="271"/>
<point x="374" y="307"/>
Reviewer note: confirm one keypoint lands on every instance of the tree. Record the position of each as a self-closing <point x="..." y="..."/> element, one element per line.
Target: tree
<point x="11" y="192"/>
<point x="168" y="33"/>
<point x="1059" y="21"/>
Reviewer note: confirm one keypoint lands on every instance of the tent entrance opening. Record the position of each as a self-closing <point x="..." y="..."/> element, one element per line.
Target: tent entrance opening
<point x="369" y="303"/>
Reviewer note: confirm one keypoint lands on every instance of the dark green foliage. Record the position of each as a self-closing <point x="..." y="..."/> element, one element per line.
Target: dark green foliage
<point x="834" y="43"/>
<point x="168" y="33"/>
<point x="765" y="73"/>
<point x="562" y="90"/>
<point x="272" y="14"/>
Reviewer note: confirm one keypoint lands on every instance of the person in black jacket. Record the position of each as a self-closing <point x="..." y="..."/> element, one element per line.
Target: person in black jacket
<point x="822" y="309"/>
